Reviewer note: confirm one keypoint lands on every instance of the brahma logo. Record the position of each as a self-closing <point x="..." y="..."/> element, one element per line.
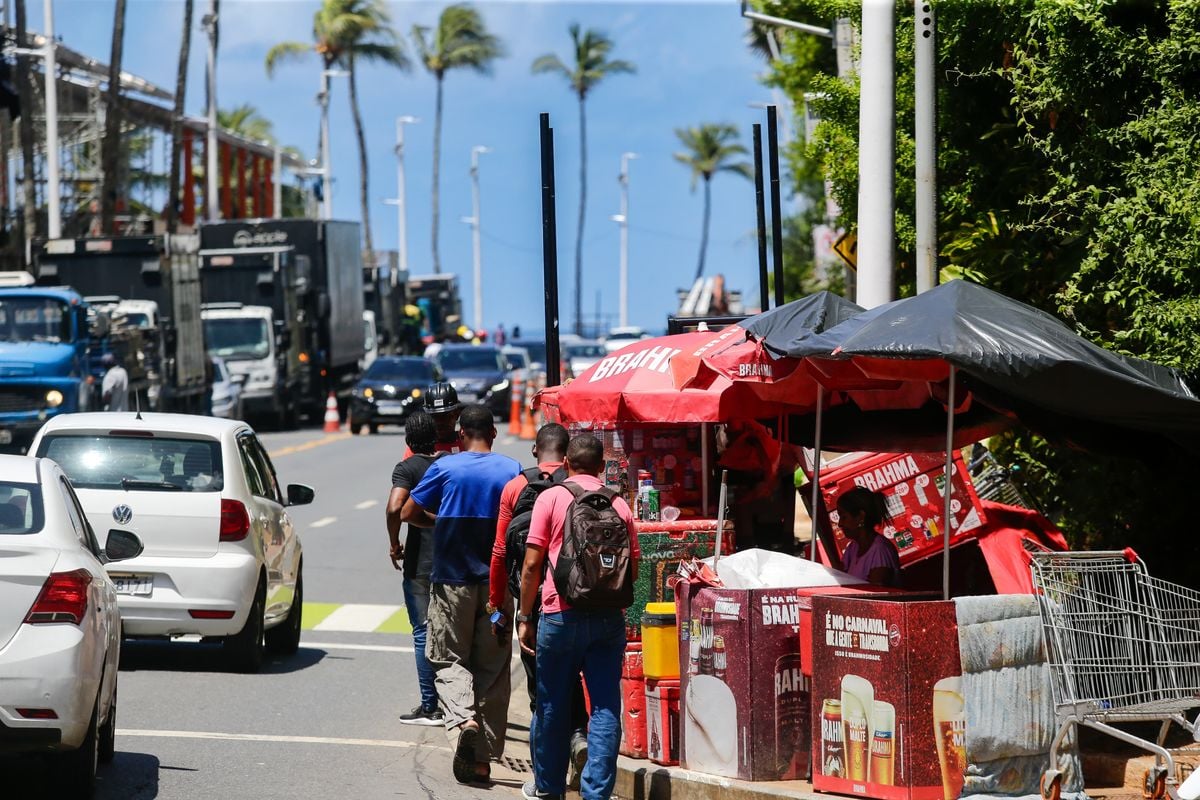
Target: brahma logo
<point x="248" y="238"/>
<point x="754" y="371"/>
<point x="655" y="358"/>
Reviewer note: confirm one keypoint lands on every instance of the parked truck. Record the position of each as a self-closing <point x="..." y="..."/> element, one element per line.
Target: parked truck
<point x="308" y="275"/>
<point x="438" y="298"/>
<point x="148" y="284"/>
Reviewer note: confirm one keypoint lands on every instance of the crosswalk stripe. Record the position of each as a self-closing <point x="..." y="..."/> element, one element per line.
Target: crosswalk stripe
<point x="396" y="623"/>
<point x="311" y="614"/>
<point x="365" y="504"/>
<point x="356" y="618"/>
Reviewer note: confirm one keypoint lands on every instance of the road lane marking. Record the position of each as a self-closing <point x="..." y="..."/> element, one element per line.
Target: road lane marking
<point x="259" y="737"/>
<point x="299" y="448"/>
<point x="311" y="614"/>
<point x="322" y="522"/>
<point x="389" y="619"/>
<point x="356" y="618"/>
<point x="375" y="648"/>
<point x="365" y="504"/>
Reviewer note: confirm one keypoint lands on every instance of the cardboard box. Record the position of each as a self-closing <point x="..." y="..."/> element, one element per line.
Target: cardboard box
<point x="887" y="719"/>
<point x="633" y="703"/>
<point x="912" y="484"/>
<point x="664" y="545"/>
<point x="662" y="721"/>
<point x="746" y="701"/>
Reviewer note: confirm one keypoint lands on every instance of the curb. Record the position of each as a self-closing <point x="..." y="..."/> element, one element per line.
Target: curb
<point x="644" y="780"/>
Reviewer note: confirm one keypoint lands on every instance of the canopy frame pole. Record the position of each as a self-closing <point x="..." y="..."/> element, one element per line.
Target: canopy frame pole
<point x="946" y="533"/>
<point x="720" y="517"/>
<point x="816" y="474"/>
<point x="704" y="466"/>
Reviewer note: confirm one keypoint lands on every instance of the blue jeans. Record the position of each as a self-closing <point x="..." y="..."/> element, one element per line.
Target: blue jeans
<point x="568" y="643"/>
<point x="416" y="601"/>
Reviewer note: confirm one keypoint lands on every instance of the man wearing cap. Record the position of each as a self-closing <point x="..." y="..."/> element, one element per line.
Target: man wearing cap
<point x="114" y="389"/>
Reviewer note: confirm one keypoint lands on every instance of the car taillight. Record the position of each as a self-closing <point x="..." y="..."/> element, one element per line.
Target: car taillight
<point x="235" y="522"/>
<point x="64" y="598"/>
<point x="38" y="713"/>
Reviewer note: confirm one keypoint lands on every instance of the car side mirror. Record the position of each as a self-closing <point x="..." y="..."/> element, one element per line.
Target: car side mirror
<point x="122" y="545"/>
<point x="299" y="495"/>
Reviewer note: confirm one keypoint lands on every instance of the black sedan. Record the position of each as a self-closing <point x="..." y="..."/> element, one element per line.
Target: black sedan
<point x="479" y="374"/>
<point x="390" y="390"/>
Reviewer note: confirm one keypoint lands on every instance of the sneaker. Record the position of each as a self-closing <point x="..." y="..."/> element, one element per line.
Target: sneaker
<point x="529" y="791"/>
<point x="579" y="754"/>
<point x="422" y="716"/>
<point x="463" y="763"/>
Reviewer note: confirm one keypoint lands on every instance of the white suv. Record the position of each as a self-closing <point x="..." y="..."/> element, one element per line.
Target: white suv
<point x="221" y="556"/>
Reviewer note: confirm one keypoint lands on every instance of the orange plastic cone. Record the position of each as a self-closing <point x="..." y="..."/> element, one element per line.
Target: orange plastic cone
<point x="527" y="429"/>
<point x="333" y="423"/>
<point x="518" y="395"/>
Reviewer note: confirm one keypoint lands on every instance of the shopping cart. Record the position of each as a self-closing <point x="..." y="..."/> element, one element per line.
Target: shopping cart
<point x="1122" y="647"/>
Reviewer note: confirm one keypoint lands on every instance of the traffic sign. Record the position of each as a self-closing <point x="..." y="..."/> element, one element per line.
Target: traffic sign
<point x="847" y="248"/>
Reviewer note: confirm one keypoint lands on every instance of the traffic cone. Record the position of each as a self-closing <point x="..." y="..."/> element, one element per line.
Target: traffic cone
<point x="333" y="423"/>
<point x="527" y="429"/>
<point x="517" y="395"/>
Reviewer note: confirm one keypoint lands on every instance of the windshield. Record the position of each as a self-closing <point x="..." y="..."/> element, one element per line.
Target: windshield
<point x="471" y="359"/>
<point x="137" y="319"/>
<point x="536" y="350"/>
<point x="407" y="371"/>
<point x="586" y="351"/>
<point x="20" y="508"/>
<point x="34" y="319"/>
<point x="137" y="463"/>
<point x="236" y="338"/>
<point x="516" y="358"/>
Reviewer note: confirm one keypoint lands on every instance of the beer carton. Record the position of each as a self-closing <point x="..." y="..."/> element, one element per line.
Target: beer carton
<point x="887" y="703"/>
<point x="662" y="721"/>
<point x="745" y="700"/>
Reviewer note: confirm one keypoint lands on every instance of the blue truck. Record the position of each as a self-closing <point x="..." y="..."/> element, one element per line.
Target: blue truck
<point x="50" y="358"/>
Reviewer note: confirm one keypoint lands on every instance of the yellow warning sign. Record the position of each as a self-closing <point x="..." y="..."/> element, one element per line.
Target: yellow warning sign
<point x="847" y="249"/>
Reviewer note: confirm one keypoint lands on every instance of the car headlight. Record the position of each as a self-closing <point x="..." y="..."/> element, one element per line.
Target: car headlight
<point x="501" y="386"/>
<point x="416" y="393"/>
<point x="368" y="392"/>
<point x="54" y="398"/>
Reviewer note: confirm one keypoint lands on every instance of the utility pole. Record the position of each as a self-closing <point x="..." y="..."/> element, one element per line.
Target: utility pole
<point x="473" y="220"/>
<point x="399" y="201"/>
<point x="326" y="169"/>
<point x="876" y="150"/>
<point x="925" y="122"/>
<point x="210" y="22"/>
<point x="622" y="219"/>
<point x="53" y="214"/>
<point x="277" y="182"/>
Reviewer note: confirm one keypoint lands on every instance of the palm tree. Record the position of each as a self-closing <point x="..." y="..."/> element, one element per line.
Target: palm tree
<point x="110" y="151"/>
<point x="185" y="50"/>
<point x="460" y="41"/>
<point x="710" y="149"/>
<point x="25" y="98"/>
<point x="246" y="121"/>
<point x="592" y="65"/>
<point x="344" y="33"/>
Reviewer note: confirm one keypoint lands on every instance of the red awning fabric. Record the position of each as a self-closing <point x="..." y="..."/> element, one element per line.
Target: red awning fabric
<point x="1006" y="541"/>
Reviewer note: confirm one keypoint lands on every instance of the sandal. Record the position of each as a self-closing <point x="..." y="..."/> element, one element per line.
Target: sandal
<point x="464" y="755"/>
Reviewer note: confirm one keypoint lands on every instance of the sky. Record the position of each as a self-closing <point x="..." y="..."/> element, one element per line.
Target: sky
<point x="692" y="67"/>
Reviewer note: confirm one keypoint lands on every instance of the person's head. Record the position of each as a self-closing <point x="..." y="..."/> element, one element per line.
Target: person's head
<point x="441" y="403"/>
<point x="551" y="442"/>
<point x="420" y="433"/>
<point x="108" y="360"/>
<point x="861" y="511"/>
<point x="585" y="455"/>
<point x="476" y="424"/>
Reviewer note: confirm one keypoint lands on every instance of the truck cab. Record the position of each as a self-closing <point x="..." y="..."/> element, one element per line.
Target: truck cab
<point x="245" y="336"/>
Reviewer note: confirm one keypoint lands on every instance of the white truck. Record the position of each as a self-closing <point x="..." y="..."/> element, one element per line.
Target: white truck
<point x="245" y="337"/>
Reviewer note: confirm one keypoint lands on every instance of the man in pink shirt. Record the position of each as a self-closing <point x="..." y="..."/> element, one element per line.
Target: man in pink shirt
<point x="569" y="642"/>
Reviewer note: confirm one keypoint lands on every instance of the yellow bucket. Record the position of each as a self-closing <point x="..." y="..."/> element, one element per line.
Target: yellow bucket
<point x="660" y="642"/>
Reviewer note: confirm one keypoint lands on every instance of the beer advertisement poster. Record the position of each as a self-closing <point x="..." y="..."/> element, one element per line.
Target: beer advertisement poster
<point x="887" y="702"/>
<point x="740" y="661"/>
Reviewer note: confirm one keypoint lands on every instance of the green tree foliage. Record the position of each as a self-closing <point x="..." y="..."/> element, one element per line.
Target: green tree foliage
<point x="1069" y="178"/>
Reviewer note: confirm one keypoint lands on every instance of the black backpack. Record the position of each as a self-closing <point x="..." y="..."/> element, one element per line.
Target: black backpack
<point x="595" y="565"/>
<point x="518" y="526"/>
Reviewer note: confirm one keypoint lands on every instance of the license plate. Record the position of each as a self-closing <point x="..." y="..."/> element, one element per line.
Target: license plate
<point x="5" y="437"/>
<point x="133" y="584"/>
<point x="389" y="408"/>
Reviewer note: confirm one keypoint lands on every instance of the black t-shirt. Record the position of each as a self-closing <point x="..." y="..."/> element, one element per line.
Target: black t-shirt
<point x="418" y="542"/>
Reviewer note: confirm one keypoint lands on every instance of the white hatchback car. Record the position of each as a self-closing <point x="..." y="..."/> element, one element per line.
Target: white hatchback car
<point x="60" y="627"/>
<point x="221" y="558"/>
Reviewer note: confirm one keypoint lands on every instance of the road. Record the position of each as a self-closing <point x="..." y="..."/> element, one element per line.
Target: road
<point x="322" y="723"/>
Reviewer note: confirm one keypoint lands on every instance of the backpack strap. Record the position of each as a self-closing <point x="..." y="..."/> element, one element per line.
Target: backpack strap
<point x="532" y="474"/>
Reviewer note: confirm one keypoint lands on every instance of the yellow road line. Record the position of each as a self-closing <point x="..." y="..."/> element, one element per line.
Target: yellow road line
<point x="298" y="448"/>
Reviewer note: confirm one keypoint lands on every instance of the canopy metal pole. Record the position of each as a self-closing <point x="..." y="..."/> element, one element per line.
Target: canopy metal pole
<point x="816" y="474"/>
<point x="720" y="517"/>
<point x="704" y="467"/>
<point x="947" y="490"/>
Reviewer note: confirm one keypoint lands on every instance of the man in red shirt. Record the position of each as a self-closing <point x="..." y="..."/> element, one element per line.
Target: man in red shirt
<point x="568" y="641"/>
<point x="549" y="448"/>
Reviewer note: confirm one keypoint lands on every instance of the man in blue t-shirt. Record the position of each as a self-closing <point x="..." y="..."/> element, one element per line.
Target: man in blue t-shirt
<point x="459" y="497"/>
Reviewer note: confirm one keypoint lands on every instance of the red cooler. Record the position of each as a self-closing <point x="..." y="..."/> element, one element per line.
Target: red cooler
<point x="633" y="703"/>
<point x="662" y="721"/>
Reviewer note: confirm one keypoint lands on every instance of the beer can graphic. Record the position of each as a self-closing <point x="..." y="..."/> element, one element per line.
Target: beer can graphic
<point x="949" y="733"/>
<point x="883" y="744"/>
<point x="706" y="641"/>
<point x="858" y="704"/>
<point x="833" y="752"/>
<point x="792" y="713"/>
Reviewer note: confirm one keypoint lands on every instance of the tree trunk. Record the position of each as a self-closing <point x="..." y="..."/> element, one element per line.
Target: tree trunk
<point x="704" y="228"/>
<point x="437" y="158"/>
<point x="185" y="49"/>
<point x="25" y="97"/>
<point x="110" y="150"/>
<point x="582" y="208"/>
<point x="363" y="193"/>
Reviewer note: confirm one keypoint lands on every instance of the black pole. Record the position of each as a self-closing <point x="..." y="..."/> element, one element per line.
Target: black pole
<point x="776" y="218"/>
<point x="764" y="296"/>
<point x="550" y="254"/>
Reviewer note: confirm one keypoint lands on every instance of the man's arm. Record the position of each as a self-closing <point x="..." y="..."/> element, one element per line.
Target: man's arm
<point x="497" y="574"/>
<point x="413" y="514"/>
<point x="531" y="570"/>
<point x="427" y="494"/>
<point x="395" y="504"/>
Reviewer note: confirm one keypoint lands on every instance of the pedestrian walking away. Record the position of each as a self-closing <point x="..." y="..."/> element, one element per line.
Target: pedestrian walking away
<point x="459" y="496"/>
<point x="114" y="389"/>
<point x="582" y="626"/>
<point x="508" y="557"/>
<point x="414" y="557"/>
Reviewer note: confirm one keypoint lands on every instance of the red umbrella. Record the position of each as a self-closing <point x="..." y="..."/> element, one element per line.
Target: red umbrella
<point x="638" y="384"/>
<point x="732" y="354"/>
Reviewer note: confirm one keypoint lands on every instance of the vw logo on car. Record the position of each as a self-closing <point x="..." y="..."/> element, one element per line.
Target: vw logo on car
<point x="122" y="514"/>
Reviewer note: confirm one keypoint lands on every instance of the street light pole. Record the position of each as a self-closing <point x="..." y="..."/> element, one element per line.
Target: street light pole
<point x="876" y="168"/>
<point x="401" y="210"/>
<point x="53" y="214"/>
<point x="476" y="151"/>
<point x="326" y="167"/>
<point x="210" y="170"/>
<point x="622" y="219"/>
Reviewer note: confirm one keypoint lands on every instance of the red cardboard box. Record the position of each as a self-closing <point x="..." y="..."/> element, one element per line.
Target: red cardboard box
<point x="887" y="701"/>
<point x="912" y="484"/>
<point x="662" y="721"/>
<point x="746" y="701"/>
<point x="633" y="703"/>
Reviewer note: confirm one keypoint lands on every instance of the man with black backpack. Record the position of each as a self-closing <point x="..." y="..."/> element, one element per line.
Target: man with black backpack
<point x="508" y="558"/>
<point x="584" y="532"/>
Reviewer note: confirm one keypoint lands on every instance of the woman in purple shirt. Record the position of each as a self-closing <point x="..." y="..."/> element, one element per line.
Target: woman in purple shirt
<point x="869" y="555"/>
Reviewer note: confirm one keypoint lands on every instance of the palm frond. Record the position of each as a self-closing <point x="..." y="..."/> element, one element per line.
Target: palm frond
<point x="285" y="51"/>
<point x="549" y="63"/>
<point x="392" y="54"/>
